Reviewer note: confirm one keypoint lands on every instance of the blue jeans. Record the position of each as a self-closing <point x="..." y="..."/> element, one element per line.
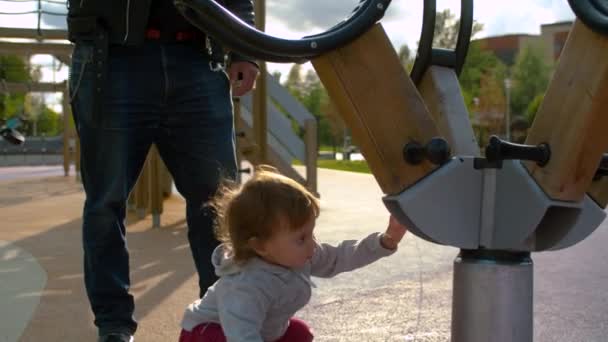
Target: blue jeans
<point x="163" y="94"/>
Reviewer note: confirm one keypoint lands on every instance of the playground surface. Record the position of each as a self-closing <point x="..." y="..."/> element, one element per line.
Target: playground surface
<point x="406" y="297"/>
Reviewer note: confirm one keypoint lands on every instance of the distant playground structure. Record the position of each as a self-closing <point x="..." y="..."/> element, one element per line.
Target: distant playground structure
<point x="280" y="146"/>
<point x="414" y="131"/>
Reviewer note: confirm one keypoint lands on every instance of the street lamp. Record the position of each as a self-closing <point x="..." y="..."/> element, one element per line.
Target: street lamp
<point x="508" y="111"/>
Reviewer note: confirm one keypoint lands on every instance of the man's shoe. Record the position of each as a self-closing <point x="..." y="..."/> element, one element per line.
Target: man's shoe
<point x="115" y="338"/>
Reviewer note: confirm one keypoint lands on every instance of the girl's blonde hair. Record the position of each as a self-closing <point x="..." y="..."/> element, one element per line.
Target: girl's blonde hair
<point x="267" y="202"/>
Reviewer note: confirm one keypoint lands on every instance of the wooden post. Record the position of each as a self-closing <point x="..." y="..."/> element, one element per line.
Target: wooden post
<point x="381" y="106"/>
<point x="155" y="186"/>
<point x="142" y="193"/>
<point x="260" y="96"/>
<point x="599" y="192"/>
<point x="572" y="118"/>
<point x="240" y="135"/>
<point x="67" y="154"/>
<point x="167" y="180"/>
<point x="441" y="92"/>
<point x="311" y="144"/>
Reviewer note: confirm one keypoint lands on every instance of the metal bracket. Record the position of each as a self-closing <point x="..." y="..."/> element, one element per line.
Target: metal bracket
<point x="501" y="209"/>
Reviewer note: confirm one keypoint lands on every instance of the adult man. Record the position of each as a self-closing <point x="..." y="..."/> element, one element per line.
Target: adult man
<point x="142" y="74"/>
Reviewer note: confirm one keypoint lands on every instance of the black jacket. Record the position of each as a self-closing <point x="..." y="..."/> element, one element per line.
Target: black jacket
<point x="125" y="21"/>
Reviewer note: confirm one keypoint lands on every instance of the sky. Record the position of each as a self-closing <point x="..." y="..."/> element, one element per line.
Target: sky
<point x="297" y="18"/>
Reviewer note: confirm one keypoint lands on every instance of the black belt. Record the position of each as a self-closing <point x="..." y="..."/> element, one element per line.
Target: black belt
<point x="174" y="36"/>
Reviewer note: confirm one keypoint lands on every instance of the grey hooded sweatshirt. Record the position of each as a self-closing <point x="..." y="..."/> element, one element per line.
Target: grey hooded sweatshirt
<point x="254" y="301"/>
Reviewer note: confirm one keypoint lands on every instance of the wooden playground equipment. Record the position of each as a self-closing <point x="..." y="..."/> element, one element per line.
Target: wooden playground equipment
<point x="154" y="183"/>
<point x="264" y="133"/>
<point x="415" y="134"/>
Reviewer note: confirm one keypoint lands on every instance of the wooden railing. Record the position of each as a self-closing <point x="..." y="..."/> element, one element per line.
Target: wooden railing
<point x="284" y="144"/>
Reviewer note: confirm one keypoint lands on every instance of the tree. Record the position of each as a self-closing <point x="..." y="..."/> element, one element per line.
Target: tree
<point x="12" y="69"/>
<point x="481" y="81"/>
<point x="313" y="95"/>
<point x="277" y="75"/>
<point x="447" y="28"/>
<point x="405" y="56"/>
<point x="491" y="108"/>
<point x="478" y="64"/>
<point x="294" y="81"/>
<point x="33" y="107"/>
<point x="337" y="127"/>
<point x="533" y="108"/>
<point x="49" y="122"/>
<point x="530" y="78"/>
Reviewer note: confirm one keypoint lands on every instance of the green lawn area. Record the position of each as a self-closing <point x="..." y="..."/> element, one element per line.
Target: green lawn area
<point x="344" y="165"/>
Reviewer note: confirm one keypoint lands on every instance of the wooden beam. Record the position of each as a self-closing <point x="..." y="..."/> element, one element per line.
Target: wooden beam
<point x="44" y="87"/>
<point x="155" y="185"/>
<point x="312" y="150"/>
<point x="441" y="92"/>
<point x="7" y="32"/>
<point x="598" y="191"/>
<point x="260" y="94"/>
<point x="142" y="190"/>
<point x="572" y="118"/>
<point x="380" y="105"/>
<point x="13" y="48"/>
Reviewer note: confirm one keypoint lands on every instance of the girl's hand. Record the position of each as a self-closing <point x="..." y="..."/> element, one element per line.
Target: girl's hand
<point x="393" y="235"/>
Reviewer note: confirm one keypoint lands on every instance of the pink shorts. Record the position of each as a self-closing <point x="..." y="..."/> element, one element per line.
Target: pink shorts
<point x="298" y="331"/>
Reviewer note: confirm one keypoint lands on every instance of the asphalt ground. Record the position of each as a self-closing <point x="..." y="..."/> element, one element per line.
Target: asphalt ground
<point x="406" y="297"/>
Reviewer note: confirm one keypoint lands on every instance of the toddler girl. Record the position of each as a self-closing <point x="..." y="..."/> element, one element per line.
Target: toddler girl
<point x="267" y="256"/>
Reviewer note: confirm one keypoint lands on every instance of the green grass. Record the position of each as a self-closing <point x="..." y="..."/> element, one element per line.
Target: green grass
<point x="327" y="148"/>
<point x="345" y="165"/>
<point x="341" y="165"/>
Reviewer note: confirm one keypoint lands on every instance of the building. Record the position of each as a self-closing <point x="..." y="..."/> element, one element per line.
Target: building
<point x="551" y="41"/>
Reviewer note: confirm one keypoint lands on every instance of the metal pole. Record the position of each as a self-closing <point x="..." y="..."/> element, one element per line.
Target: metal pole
<point x="492" y="297"/>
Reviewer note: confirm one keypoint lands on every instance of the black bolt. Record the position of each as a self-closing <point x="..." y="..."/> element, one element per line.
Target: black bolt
<point x="436" y="151"/>
<point x="413" y="153"/>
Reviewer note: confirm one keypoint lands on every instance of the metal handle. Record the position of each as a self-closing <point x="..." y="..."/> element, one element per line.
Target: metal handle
<point x="594" y="13"/>
<point x="427" y="55"/>
<point x="498" y="149"/>
<point x="235" y="34"/>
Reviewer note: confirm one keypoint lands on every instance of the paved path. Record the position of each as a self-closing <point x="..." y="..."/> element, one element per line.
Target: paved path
<point x="24" y="172"/>
<point x="405" y="297"/>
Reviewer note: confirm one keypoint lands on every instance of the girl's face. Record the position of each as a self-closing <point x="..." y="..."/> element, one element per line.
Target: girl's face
<point x="290" y="248"/>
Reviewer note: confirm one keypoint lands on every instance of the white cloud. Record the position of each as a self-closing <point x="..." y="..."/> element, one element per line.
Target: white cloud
<point x="48" y="20"/>
<point x="402" y="22"/>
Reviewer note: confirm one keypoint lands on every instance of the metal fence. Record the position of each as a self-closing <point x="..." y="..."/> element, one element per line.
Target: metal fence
<point x="34" y="151"/>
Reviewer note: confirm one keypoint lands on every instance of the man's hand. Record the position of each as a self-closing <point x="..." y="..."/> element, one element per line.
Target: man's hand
<point x="242" y="77"/>
<point x="393" y="235"/>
